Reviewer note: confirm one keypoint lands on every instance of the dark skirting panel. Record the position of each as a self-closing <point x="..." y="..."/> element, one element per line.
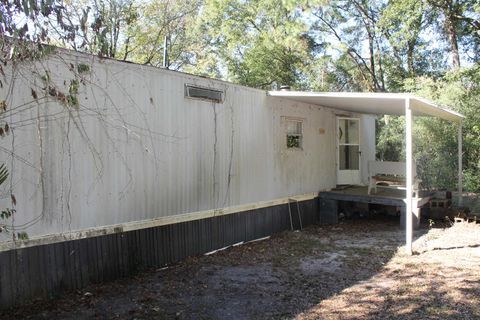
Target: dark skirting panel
<point x="48" y="270"/>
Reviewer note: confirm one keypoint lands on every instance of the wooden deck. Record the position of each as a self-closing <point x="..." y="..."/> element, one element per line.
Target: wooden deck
<point x="385" y="196"/>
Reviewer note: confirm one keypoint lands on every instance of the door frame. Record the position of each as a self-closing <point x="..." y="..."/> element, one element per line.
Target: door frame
<point x="353" y="177"/>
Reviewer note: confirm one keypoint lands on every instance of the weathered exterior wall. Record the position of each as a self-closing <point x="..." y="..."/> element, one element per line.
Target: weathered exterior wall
<point x="135" y="148"/>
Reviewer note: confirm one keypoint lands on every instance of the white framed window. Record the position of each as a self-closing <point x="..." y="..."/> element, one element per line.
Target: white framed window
<point x="294" y="133"/>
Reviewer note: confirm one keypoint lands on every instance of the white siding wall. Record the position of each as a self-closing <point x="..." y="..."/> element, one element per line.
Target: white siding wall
<point x="136" y="148"/>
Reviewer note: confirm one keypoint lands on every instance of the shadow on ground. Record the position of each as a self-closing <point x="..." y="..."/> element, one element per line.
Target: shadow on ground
<point x="348" y="271"/>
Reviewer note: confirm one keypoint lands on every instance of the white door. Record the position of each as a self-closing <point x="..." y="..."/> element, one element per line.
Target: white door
<point x="348" y="151"/>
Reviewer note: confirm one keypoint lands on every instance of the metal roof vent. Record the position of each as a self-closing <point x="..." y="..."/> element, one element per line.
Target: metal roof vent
<point x="203" y="93"/>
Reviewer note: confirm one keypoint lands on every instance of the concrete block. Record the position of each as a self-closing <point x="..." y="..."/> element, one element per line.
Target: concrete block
<point x="415" y="218"/>
<point x="328" y="211"/>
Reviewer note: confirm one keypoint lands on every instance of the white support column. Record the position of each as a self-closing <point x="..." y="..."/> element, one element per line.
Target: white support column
<point x="409" y="171"/>
<point x="460" y="153"/>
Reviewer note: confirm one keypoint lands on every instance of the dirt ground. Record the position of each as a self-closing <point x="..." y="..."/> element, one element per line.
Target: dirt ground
<point x="353" y="270"/>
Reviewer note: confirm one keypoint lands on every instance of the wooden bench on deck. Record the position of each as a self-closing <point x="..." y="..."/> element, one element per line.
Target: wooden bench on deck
<point x="391" y="173"/>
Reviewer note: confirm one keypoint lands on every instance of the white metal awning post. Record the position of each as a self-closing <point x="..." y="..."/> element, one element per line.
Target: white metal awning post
<point x="409" y="171"/>
<point x="460" y="168"/>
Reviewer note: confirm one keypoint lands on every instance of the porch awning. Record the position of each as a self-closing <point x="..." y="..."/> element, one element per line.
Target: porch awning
<point x="392" y="104"/>
<point x="371" y="103"/>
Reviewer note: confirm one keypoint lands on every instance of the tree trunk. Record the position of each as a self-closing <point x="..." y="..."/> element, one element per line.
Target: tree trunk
<point x="410" y="59"/>
<point x="371" y="50"/>
<point x="450" y="24"/>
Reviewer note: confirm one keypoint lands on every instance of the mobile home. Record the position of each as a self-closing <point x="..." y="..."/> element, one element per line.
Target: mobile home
<point x="115" y="166"/>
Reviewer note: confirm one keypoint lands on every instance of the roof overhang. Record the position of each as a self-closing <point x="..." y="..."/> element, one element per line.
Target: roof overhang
<point x="371" y="103"/>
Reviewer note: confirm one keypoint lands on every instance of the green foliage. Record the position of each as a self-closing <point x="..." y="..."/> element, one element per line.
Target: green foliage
<point x="261" y="43"/>
<point x="435" y="151"/>
<point x="158" y="19"/>
<point x="73" y="89"/>
<point x="293" y="141"/>
<point x="390" y="138"/>
<point x="437" y="139"/>
<point x="402" y="23"/>
<point x="459" y="24"/>
<point x="348" y="32"/>
<point x="22" y="236"/>
<point x="7" y="213"/>
<point x="101" y="26"/>
<point x="46" y="77"/>
<point x="72" y="97"/>
<point x="83" y="68"/>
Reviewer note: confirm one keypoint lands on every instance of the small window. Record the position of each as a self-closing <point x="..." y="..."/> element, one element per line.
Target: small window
<point x="294" y="133"/>
<point x="203" y="93"/>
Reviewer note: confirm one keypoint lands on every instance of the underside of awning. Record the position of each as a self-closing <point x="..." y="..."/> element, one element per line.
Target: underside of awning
<point x="371" y="103"/>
